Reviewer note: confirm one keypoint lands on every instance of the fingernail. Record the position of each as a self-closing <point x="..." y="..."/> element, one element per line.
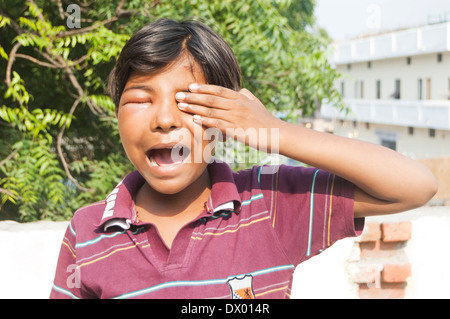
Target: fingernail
<point x="180" y="96"/>
<point x="197" y="118"/>
<point x="182" y="105"/>
<point x="193" y="87"/>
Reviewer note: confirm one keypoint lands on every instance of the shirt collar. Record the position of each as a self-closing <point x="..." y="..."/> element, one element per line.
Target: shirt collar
<point x="119" y="209"/>
<point x="224" y="194"/>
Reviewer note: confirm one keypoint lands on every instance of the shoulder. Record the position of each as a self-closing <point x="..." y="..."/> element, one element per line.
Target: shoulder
<point x="88" y="217"/>
<point x="90" y="210"/>
<point x="118" y="203"/>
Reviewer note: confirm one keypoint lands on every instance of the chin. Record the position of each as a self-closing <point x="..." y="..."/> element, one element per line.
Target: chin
<point x="185" y="178"/>
<point x="167" y="190"/>
<point x="166" y="187"/>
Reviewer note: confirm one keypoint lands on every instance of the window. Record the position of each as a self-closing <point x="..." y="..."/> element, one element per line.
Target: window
<point x="408" y="60"/>
<point x="419" y="89"/>
<point x="431" y="132"/>
<point x="369" y="65"/>
<point x="411" y="130"/>
<point x="387" y="139"/>
<point x="428" y="89"/>
<point x="378" y="90"/>
<point x="397" y="89"/>
<point x="389" y="144"/>
<point x="448" y="94"/>
<point x="439" y="57"/>
<point x="343" y="88"/>
<point x="361" y="91"/>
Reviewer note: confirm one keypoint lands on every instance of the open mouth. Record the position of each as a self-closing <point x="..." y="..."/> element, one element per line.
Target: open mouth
<point x="168" y="156"/>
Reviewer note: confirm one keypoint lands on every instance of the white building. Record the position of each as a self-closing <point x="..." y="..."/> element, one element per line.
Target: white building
<point x="397" y="88"/>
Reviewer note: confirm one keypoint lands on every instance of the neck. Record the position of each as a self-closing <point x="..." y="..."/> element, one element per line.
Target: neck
<point x="189" y="201"/>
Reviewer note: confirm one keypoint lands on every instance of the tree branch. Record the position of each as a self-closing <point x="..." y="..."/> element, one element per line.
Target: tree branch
<point x="34" y="60"/>
<point x="86" y="29"/>
<point x="7" y="158"/>
<point x="40" y="16"/>
<point x="60" y="153"/>
<point x="119" y="7"/>
<point x="13" y="23"/>
<point x="60" y="8"/>
<point x="48" y="57"/>
<point x="12" y="58"/>
<point x="5" y="191"/>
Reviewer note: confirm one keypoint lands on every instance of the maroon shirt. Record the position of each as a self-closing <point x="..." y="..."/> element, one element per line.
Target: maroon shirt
<point x="257" y="226"/>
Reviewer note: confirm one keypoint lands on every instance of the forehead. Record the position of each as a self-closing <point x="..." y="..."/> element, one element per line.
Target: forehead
<point x="184" y="69"/>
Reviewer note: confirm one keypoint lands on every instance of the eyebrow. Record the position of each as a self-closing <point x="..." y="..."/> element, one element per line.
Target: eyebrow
<point x="139" y="87"/>
<point x="148" y="88"/>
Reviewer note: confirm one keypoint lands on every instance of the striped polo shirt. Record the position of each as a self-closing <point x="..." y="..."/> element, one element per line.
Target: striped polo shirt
<point x="257" y="226"/>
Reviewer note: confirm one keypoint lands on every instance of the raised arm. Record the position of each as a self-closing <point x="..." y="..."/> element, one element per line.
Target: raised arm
<point x="385" y="181"/>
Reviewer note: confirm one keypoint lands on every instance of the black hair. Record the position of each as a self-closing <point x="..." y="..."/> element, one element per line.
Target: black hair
<point x="160" y="43"/>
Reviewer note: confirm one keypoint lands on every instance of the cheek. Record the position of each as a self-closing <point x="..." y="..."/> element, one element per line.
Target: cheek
<point x="130" y="127"/>
<point x="123" y="128"/>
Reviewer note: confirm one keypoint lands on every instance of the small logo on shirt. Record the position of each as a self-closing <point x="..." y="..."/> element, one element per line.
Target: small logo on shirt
<point x="241" y="288"/>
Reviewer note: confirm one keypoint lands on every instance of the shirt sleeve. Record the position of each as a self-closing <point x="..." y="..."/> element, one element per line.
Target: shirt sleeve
<point x="67" y="281"/>
<point x="310" y="208"/>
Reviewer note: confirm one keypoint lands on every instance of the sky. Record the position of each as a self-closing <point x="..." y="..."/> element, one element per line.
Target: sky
<point x="345" y="19"/>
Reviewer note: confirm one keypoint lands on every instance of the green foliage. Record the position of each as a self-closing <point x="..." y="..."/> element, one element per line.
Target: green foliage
<point x="59" y="146"/>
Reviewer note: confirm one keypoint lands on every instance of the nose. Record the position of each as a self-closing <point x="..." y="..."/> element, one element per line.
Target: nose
<point x="167" y="116"/>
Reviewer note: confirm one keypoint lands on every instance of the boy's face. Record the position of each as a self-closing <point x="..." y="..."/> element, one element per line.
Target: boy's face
<point x="162" y="142"/>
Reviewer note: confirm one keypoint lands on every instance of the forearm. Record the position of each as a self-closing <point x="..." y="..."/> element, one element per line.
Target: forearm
<point x="378" y="171"/>
<point x="385" y="181"/>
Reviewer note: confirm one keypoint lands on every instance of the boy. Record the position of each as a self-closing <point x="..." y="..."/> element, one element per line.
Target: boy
<point x="185" y="226"/>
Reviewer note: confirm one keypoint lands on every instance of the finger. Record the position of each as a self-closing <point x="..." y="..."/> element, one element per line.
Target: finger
<point x="207" y="100"/>
<point x="210" y="122"/>
<point x="213" y="90"/>
<point x="201" y="110"/>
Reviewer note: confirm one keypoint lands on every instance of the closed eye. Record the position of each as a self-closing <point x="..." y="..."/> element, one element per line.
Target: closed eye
<point x="137" y="104"/>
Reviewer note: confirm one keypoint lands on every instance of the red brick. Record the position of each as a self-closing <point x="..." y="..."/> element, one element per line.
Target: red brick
<point x="396" y="273"/>
<point x="372" y="232"/>
<point x="384" y="291"/>
<point x="369" y="274"/>
<point x="395" y="232"/>
<point x="378" y="249"/>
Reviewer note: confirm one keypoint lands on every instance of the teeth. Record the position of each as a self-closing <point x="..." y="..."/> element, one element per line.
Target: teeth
<point x="178" y="149"/>
<point x="152" y="160"/>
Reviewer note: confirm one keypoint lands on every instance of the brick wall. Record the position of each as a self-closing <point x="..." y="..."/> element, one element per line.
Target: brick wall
<point x="383" y="269"/>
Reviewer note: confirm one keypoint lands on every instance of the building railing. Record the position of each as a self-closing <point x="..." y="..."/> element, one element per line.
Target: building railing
<point x="427" y="39"/>
<point x="426" y="114"/>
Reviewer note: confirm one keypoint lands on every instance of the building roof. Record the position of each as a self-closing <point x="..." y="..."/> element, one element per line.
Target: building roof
<point x="434" y="38"/>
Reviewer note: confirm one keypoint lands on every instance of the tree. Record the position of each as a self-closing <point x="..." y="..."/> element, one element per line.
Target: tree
<point x="59" y="146"/>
